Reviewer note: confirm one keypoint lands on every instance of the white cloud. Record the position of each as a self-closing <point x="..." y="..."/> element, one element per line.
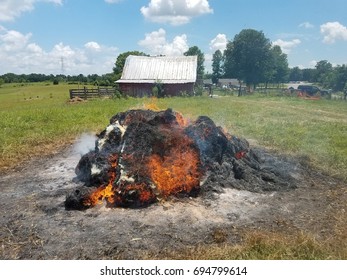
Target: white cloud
<point x="19" y="55"/>
<point x="176" y="12"/>
<point x="333" y="31"/>
<point x="93" y="46"/>
<point x="287" y="46"/>
<point x="11" y="9"/>
<point x="13" y="40"/>
<point x="219" y="43"/>
<point x="155" y="43"/>
<point x="306" y="25"/>
<point x="34" y="48"/>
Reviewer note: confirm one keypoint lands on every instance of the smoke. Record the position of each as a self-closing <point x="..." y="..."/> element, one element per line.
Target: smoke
<point x="85" y="143"/>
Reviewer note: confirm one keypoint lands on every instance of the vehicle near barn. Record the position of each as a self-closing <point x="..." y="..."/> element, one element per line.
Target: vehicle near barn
<point x="313" y="90"/>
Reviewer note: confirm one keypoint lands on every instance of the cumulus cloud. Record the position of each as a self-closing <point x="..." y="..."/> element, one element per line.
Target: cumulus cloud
<point x="306" y="25"/>
<point x="333" y="31"/>
<point x="92" y="46"/>
<point x="287" y="46"/>
<point x="19" y="55"/>
<point x="13" y="40"/>
<point x="156" y="43"/>
<point x="176" y="12"/>
<point x="219" y="43"/>
<point x="34" y="48"/>
<point x="11" y="9"/>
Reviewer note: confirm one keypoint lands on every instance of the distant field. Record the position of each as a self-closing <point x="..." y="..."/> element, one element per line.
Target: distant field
<point x="37" y="118"/>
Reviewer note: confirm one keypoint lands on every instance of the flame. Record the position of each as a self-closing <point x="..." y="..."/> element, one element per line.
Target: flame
<point x="173" y="168"/>
<point x="182" y="121"/>
<point x="104" y="192"/>
<point x="153" y="105"/>
<point x="178" y="171"/>
<point x="99" y="195"/>
<point x="143" y="192"/>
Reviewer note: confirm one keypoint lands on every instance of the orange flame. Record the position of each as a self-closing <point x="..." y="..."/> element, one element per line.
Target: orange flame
<point x="104" y="192"/>
<point x="176" y="172"/>
<point x="183" y="122"/>
<point x="153" y="105"/>
<point x="173" y="168"/>
<point x="99" y="195"/>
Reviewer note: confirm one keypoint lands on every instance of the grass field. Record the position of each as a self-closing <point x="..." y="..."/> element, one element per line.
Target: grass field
<point x="37" y="119"/>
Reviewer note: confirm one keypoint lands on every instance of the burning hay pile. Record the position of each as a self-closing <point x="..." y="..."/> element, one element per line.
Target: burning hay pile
<point x="144" y="156"/>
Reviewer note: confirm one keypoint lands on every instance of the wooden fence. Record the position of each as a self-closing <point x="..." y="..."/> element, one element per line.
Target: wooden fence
<point x="86" y="93"/>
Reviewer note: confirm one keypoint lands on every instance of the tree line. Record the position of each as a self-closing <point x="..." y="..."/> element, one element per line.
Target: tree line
<point x="250" y="58"/>
<point x="100" y="80"/>
<point x="324" y="73"/>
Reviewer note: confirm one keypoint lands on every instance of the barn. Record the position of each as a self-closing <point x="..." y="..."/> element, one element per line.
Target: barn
<point x="171" y="75"/>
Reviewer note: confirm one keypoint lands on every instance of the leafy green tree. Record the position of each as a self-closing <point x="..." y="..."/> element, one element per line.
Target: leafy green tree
<point x="11" y="78"/>
<point x="250" y="57"/>
<point x="217" y="70"/>
<point x="229" y="65"/>
<point x="309" y="74"/>
<point x="55" y="81"/>
<point x="1" y="81"/>
<point x="295" y="74"/>
<point x="119" y="65"/>
<point x="279" y="65"/>
<point x="323" y="69"/>
<point x="339" y="78"/>
<point x="201" y="60"/>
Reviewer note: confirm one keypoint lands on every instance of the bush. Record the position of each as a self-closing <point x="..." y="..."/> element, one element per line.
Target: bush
<point x="198" y="91"/>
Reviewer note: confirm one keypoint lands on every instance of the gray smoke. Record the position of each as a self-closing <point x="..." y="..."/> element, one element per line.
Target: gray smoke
<point x="85" y="143"/>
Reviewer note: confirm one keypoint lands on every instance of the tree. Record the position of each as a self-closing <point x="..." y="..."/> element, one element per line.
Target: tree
<point x="295" y="74"/>
<point x="119" y="65"/>
<point x="309" y="74"/>
<point x="250" y="57"/>
<point x="229" y="66"/>
<point x="323" y="69"/>
<point x="280" y="65"/>
<point x="338" y="80"/>
<point x="201" y="60"/>
<point x="217" y="66"/>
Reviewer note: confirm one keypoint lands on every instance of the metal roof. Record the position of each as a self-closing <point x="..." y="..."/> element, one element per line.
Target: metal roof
<point x="165" y="69"/>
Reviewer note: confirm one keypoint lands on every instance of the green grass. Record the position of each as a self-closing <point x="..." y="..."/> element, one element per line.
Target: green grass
<point x="313" y="129"/>
<point x="37" y="119"/>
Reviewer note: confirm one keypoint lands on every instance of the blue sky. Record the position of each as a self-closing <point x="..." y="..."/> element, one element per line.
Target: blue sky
<point x="38" y="36"/>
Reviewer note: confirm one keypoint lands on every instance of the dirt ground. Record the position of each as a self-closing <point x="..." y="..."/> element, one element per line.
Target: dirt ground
<point x="35" y="225"/>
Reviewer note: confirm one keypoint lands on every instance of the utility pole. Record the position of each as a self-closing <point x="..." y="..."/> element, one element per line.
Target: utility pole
<point x="62" y="65"/>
